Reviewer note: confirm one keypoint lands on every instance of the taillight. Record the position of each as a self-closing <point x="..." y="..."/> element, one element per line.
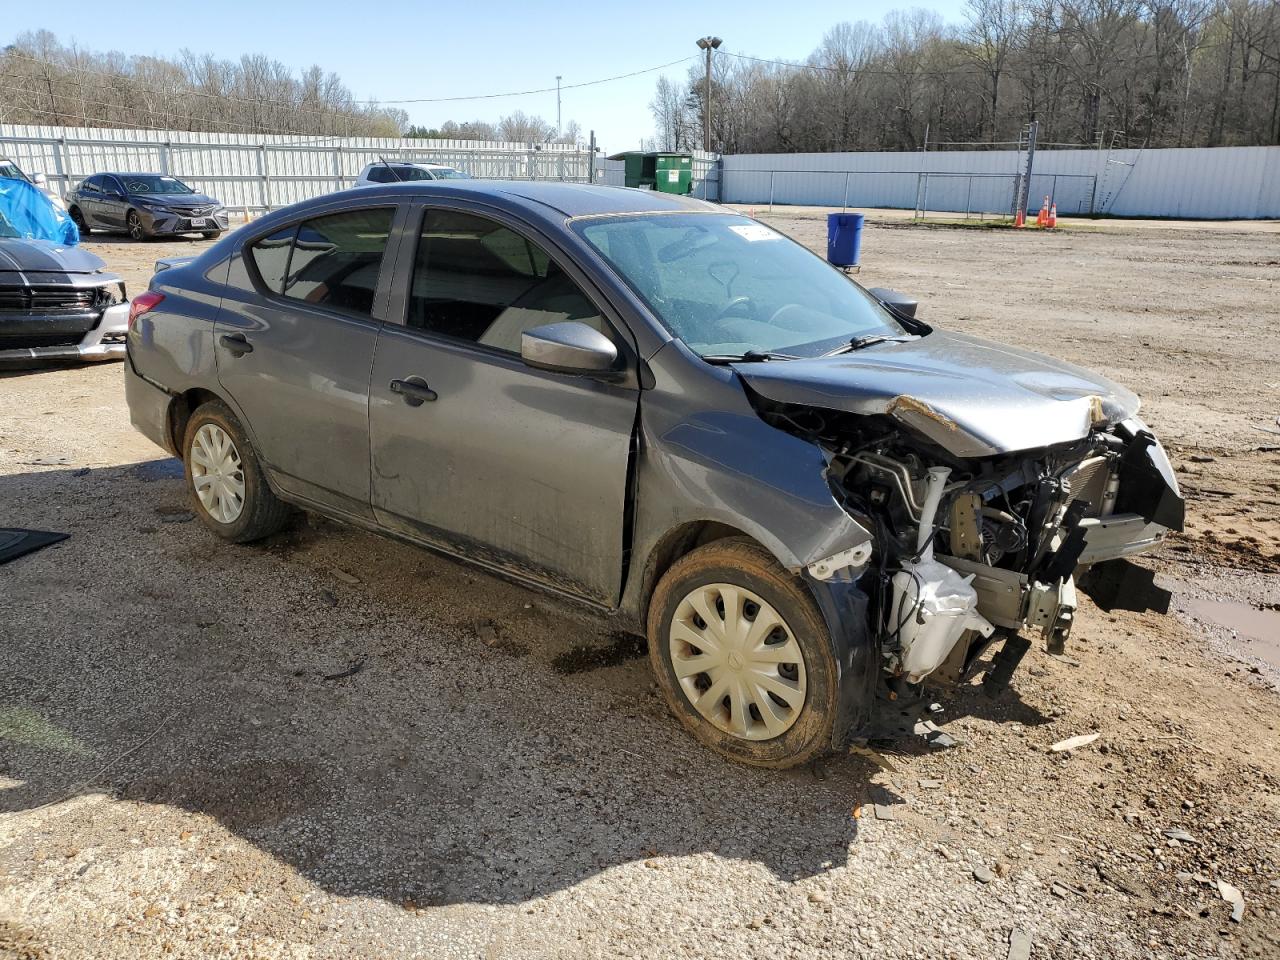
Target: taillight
<point x="143" y="303"/>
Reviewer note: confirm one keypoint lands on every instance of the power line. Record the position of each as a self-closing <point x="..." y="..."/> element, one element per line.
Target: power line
<point x="524" y="93"/>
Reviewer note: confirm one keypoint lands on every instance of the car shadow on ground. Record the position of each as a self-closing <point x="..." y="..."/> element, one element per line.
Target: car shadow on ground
<point x="114" y="239"/>
<point x="386" y="722"/>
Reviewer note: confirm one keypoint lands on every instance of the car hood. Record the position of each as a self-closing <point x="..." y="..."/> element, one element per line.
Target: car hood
<point x="178" y="199"/>
<point x="972" y="396"/>
<point x="45" y="256"/>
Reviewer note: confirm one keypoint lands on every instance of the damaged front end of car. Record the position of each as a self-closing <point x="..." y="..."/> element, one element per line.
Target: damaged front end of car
<point x="972" y="543"/>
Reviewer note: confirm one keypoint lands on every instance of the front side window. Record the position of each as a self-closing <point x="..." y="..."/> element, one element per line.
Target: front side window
<point x="476" y="280"/>
<point x="336" y="259"/>
<point x="270" y="257"/>
<point x="408" y="172"/>
<point x="727" y="285"/>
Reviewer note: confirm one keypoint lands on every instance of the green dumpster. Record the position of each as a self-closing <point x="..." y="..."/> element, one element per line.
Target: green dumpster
<point x="666" y="172"/>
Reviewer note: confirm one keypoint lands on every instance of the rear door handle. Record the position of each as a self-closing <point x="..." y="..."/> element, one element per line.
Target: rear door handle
<point x="236" y="344"/>
<point x="414" y="390"/>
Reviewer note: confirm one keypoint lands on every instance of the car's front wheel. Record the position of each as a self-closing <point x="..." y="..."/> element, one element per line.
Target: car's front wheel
<point x="212" y="234"/>
<point x="228" y="490"/>
<point x="133" y="224"/>
<point x="78" y="219"/>
<point x="743" y="655"/>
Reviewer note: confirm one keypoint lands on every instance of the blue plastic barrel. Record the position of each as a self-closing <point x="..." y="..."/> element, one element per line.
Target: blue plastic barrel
<point x="844" y="238"/>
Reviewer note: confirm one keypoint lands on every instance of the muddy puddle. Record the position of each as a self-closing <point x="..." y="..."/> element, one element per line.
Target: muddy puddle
<point x="1257" y="631"/>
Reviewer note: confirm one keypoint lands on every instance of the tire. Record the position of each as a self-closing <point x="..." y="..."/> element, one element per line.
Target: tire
<point x="212" y="234"/>
<point x="133" y="226"/>
<point x="799" y="728"/>
<point x="78" y="219"/>
<point x="258" y="512"/>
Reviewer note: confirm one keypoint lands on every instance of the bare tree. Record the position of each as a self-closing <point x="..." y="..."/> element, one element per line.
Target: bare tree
<point x="992" y="29"/>
<point x="519" y="128"/>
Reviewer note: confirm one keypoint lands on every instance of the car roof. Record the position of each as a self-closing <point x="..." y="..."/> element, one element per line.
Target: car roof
<point x="569" y="199"/>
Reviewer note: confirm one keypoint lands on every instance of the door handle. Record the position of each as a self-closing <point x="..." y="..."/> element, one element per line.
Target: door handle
<point x="236" y="344"/>
<point x="413" y="390"/>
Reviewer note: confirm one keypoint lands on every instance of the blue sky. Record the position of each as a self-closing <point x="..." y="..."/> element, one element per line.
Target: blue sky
<point x="446" y="48"/>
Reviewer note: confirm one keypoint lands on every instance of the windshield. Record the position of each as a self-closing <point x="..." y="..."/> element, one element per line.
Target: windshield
<point x="149" y="183"/>
<point x="727" y="285"/>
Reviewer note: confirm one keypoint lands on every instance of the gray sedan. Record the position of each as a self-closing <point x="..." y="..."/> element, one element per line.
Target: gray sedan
<point x="806" y="497"/>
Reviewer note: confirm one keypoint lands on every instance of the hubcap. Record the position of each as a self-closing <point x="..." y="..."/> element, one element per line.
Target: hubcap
<point x="217" y="474"/>
<point x="737" y="661"/>
<point x="135" y="226"/>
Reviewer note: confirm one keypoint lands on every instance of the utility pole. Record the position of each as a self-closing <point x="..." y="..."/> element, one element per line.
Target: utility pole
<point x="708" y="44"/>
<point x="558" y="127"/>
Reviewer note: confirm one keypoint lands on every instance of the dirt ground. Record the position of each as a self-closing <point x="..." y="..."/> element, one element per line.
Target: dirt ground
<point x="331" y="745"/>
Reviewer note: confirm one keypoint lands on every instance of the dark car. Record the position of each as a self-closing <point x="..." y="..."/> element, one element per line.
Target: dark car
<point x="806" y="497"/>
<point x="57" y="303"/>
<point x="144" y="205"/>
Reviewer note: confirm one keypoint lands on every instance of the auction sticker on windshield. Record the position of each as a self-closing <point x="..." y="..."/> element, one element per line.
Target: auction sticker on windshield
<point x="755" y="231"/>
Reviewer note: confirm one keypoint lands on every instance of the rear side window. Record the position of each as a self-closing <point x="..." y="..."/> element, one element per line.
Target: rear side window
<point x="336" y="259"/>
<point x="270" y="257"/>
<point x="378" y="175"/>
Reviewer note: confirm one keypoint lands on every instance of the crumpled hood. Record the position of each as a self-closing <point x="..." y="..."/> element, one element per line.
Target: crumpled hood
<point x="45" y="256"/>
<point x="972" y="396"/>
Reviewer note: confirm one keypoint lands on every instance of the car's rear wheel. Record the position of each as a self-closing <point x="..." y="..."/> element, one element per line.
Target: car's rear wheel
<point x="743" y="656"/>
<point x="228" y="490"/>
<point x="78" y="219"/>
<point x="133" y="224"/>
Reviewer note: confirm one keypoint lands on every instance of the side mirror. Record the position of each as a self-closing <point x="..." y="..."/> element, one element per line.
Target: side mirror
<point x="898" y="302"/>
<point x="568" y="347"/>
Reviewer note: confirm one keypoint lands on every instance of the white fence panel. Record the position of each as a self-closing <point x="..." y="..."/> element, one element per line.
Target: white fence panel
<point x="1206" y="183"/>
<point x="264" y="172"/>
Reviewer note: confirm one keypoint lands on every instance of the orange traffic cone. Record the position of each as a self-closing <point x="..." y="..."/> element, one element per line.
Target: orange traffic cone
<point x="1042" y="218"/>
<point x="1053" y="215"/>
<point x="1020" y="218"/>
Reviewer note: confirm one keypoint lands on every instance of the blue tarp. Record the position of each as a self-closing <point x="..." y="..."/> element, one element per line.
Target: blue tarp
<point x="29" y="213"/>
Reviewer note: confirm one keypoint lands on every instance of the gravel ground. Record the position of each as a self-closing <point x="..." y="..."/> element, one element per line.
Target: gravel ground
<point x="332" y="745"/>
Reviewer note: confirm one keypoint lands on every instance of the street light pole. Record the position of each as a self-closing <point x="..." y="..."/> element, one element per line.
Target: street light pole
<point x="558" y="127"/>
<point x="708" y="44"/>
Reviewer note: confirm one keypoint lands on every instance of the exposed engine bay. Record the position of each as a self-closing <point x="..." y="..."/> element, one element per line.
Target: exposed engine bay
<point x="969" y="550"/>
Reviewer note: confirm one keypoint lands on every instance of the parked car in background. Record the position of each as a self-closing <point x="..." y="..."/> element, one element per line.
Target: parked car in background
<point x="808" y="498"/>
<point x="404" y="172"/>
<point x="57" y="303"/>
<point x="144" y="205"/>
